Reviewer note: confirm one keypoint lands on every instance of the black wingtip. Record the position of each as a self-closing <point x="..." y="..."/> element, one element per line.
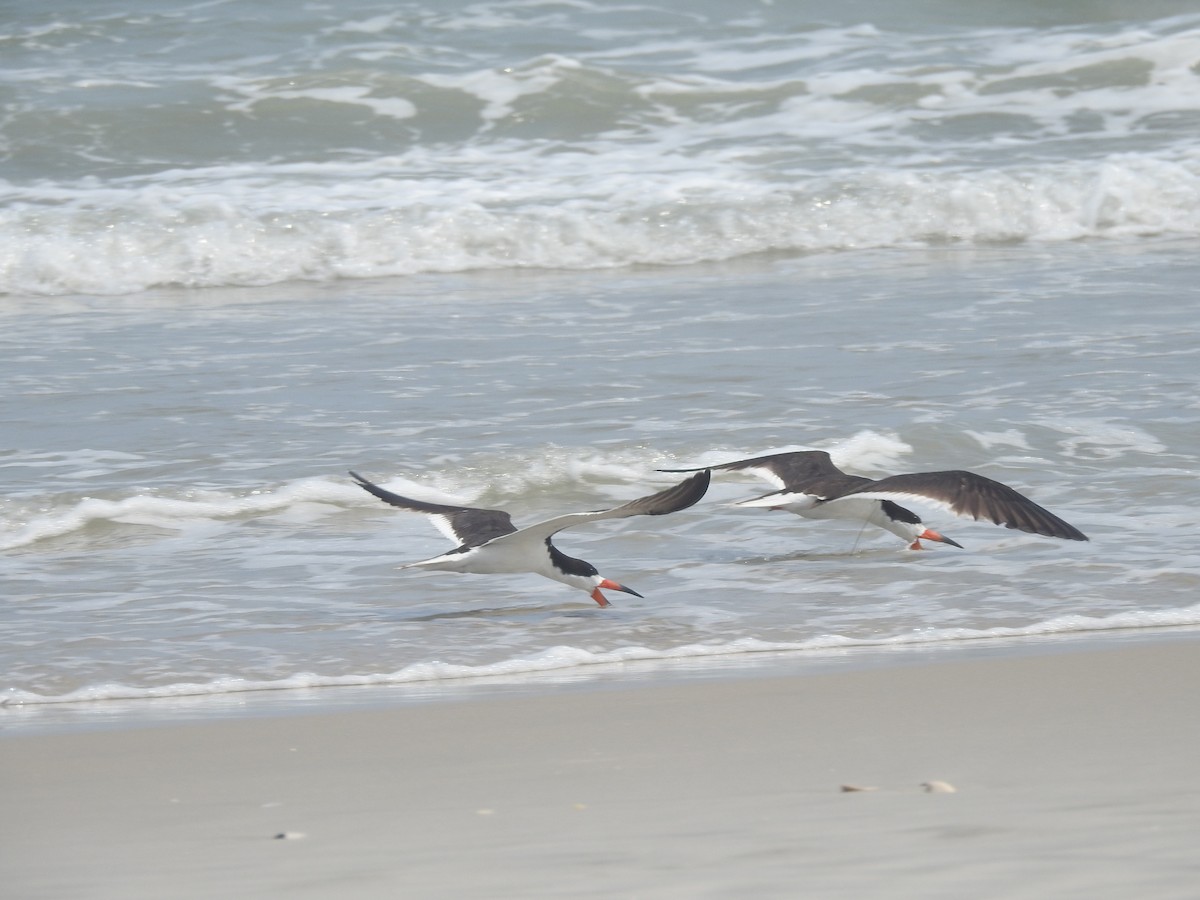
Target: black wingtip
<point x="697" y="487"/>
<point x="1070" y="533"/>
<point x="678" y="496"/>
<point x="368" y="486"/>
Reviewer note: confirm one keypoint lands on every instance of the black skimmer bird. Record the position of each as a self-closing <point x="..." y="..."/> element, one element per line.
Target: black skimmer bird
<point x="810" y="485"/>
<point x="489" y="544"/>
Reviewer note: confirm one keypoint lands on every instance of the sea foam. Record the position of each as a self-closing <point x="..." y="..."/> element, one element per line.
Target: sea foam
<point x="579" y="663"/>
<point x="264" y="226"/>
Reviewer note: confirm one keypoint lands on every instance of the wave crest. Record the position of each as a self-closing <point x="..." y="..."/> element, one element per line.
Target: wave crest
<point x="268" y="227"/>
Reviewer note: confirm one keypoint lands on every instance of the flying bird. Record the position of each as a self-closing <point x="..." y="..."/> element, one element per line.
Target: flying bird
<point x="489" y="544"/>
<point x="810" y="485"/>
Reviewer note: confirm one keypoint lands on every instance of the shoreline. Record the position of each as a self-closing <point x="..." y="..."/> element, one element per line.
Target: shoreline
<point x="1074" y="772"/>
<point x="18" y="719"/>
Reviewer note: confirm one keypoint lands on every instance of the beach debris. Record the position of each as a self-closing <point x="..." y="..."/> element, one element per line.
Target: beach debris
<point x="939" y="787"/>
<point x="855" y="788"/>
<point x="290" y="836"/>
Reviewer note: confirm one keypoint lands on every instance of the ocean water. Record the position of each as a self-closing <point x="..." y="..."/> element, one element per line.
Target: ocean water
<point x="520" y="254"/>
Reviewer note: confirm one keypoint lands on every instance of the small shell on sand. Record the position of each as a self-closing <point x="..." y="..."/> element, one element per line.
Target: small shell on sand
<point x="939" y="787"/>
<point x="290" y="835"/>
<point x="854" y="788"/>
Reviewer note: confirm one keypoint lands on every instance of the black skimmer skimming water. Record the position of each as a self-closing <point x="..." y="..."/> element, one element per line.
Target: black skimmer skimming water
<point x="489" y="543"/>
<point x="810" y="485"/>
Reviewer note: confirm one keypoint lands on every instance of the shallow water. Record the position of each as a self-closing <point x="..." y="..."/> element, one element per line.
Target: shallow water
<point x="182" y="521"/>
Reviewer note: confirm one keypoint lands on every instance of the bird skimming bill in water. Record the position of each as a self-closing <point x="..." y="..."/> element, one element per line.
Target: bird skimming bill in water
<point x="810" y="485"/>
<point x="489" y="544"/>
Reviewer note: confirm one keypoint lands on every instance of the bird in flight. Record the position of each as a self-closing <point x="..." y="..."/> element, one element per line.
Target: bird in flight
<point x="810" y="485"/>
<point x="487" y="542"/>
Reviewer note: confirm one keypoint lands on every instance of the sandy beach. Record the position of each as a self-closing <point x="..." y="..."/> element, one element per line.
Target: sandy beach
<point x="1074" y="773"/>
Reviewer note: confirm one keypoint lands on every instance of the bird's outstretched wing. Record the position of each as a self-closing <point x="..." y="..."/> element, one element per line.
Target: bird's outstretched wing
<point x="466" y="525"/>
<point x="972" y="496"/>
<point x="679" y="496"/>
<point x="796" y="471"/>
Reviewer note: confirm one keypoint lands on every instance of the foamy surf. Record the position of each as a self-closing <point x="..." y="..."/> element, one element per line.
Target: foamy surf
<point x="580" y="663"/>
<point x="362" y="157"/>
<point x="23" y="527"/>
<point x="264" y="227"/>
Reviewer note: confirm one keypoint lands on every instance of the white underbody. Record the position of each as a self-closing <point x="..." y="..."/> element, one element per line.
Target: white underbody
<point x="510" y="554"/>
<point x="850" y="509"/>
